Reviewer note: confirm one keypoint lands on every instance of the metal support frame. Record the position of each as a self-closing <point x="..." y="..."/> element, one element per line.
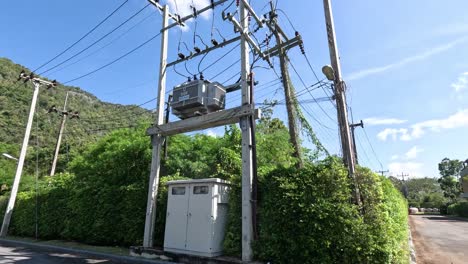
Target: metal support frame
<point x="275" y="51"/>
<point x="220" y="45"/>
<point x="245" y="114"/>
<point x="183" y="19"/>
<point x="245" y="34"/>
<point x="19" y="169"/>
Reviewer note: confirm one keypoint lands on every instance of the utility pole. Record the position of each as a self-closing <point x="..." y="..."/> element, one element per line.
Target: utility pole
<point x="59" y="137"/>
<point x="405" y="187"/>
<point x="353" y="126"/>
<point x="382" y="172"/>
<point x="37" y="82"/>
<point x="335" y="74"/>
<point x="291" y="111"/>
<point x="157" y="139"/>
<point x="246" y="127"/>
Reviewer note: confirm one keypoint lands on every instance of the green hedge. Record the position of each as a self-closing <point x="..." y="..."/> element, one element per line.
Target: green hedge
<point x="305" y="216"/>
<point x="460" y="209"/>
<point x="111" y="215"/>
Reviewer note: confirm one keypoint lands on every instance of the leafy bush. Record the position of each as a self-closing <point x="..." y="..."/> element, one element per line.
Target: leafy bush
<point x="305" y="216"/>
<point x="103" y="202"/>
<point x="460" y="209"/>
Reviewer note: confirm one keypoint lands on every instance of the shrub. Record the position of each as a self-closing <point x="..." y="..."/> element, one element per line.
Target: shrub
<point x="114" y="215"/>
<point x="460" y="209"/>
<point x="305" y="216"/>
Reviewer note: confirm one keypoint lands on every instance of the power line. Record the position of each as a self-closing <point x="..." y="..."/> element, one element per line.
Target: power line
<point x="89" y="32"/>
<point x="97" y="41"/>
<point x="305" y="86"/>
<point x="101" y="48"/>
<point x="372" y="148"/>
<point x="114" y="61"/>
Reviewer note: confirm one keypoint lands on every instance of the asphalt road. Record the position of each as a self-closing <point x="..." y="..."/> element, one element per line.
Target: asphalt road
<point x="439" y="239"/>
<point x="21" y="255"/>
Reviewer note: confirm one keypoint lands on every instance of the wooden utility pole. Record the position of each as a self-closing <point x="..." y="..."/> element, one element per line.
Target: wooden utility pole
<point x="59" y="137"/>
<point x="339" y="89"/>
<point x="353" y="126"/>
<point x="291" y="110"/>
<point x="19" y="169"/>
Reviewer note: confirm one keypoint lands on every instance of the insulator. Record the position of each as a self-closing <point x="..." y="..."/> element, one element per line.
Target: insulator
<point x="181" y="56"/>
<point x="215" y="43"/>
<point x="197" y="49"/>
<point x="237" y="2"/>
<point x="195" y="77"/>
<point x="201" y="76"/>
<point x="189" y="79"/>
<point x="195" y="13"/>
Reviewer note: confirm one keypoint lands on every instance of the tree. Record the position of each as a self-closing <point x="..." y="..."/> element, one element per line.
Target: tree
<point x="450" y="171"/>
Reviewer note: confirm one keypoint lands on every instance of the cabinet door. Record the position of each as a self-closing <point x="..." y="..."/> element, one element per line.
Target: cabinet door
<point x="199" y="232"/>
<point x="176" y="217"/>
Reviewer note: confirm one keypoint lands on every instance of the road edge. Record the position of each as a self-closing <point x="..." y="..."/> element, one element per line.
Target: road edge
<point x="412" y="248"/>
<point x="116" y="258"/>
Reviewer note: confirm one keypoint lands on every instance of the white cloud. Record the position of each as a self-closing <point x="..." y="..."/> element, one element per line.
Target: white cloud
<point x="395" y="157"/>
<point x="392" y="132"/>
<point x="183" y="7"/>
<point x="457" y="120"/>
<point x="413" y="152"/>
<point x="375" y="121"/>
<point x="414" y="169"/>
<point x="211" y="133"/>
<point x="422" y="56"/>
<point x="461" y="83"/>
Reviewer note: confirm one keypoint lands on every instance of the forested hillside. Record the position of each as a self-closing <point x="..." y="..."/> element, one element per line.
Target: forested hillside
<point x="96" y="119"/>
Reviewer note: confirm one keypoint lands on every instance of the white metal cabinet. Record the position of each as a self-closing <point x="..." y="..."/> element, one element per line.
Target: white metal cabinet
<point x="196" y="216"/>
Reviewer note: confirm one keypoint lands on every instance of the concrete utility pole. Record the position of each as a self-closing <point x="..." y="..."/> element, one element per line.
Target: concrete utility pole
<point x="291" y="111"/>
<point x="14" y="190"/>
<point x="157" y="139"/>
<point x="246" y="127"/>
<point x="353" y="126"/>
<point x="59" y="137"/>
<point x="339" y="84"/>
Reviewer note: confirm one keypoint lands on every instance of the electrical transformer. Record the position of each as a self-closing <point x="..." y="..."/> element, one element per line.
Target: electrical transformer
<point x="197" y="97"/>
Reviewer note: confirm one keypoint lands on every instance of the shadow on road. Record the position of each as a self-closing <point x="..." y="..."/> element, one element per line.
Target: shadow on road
<point x="26" y="256"/>
<point x="446" y="218"/>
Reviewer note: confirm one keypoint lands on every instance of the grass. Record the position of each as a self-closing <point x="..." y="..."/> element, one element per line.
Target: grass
<point x="75" y="245"/>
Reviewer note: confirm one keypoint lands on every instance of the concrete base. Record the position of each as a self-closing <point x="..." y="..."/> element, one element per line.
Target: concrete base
<point x="155" y="253"/>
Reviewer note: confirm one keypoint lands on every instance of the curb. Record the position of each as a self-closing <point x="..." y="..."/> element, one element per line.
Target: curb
<point x="115" y="258"/>
<point x="412" y="248"/>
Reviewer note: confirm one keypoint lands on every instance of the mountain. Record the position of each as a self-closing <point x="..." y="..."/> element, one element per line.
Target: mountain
<point x="96" y="119"/>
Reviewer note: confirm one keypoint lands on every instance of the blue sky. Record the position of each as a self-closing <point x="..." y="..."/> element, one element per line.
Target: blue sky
<point x="405" y="64"/>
